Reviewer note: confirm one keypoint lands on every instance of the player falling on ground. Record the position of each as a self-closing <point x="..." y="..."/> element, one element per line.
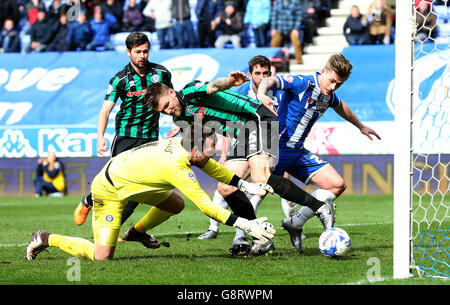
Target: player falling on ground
<point x="148" y="174"/>
<point x="135" y="123"/>
<point x="255" y="129"/>
<point x="306" y="100"/>
<point x="259" y="68"/>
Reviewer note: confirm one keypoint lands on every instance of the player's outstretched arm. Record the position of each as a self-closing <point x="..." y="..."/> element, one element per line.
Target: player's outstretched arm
<point x="346" y="113"/>
<point x="265" y="85"/>
<point x="236" y="78"/>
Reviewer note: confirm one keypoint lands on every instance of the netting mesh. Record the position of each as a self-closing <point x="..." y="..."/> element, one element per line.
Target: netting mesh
<point x="431" y="139"/>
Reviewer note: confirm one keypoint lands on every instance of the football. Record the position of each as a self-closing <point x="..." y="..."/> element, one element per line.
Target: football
<point x="334" y="242"/>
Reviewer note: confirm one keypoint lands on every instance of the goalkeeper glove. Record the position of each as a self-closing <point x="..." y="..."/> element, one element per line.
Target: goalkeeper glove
<point x="261" y="230"/>
<point x="260" y="189"/>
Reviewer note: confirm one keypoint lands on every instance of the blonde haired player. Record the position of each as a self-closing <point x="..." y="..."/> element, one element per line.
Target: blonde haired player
<point x="143" y="175"/>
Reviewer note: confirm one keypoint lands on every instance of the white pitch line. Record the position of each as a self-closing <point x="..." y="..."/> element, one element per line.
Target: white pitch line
<point x="225" y="231"/>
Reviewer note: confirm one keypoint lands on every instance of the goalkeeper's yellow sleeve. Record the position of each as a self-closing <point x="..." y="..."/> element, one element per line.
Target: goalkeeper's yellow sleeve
<point x="220" y="173"/>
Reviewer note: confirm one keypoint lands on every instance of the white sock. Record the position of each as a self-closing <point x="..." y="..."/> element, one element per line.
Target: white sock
<point x="255" y="201"/>
<point x="305" y="213"/>
<point x="289" y="207"/>
<point x="217" y="199"/>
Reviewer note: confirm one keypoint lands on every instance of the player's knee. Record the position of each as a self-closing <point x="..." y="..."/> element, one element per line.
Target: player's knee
<point x="339" y="187"/>
<point x="225" y="189"/>
<point x="103" y="253"/>
<point x="178" y="206"/>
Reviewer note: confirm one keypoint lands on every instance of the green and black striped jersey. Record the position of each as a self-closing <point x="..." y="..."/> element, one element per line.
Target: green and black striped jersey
<point x="134" y="118"/>
<point x="221" y="107"/>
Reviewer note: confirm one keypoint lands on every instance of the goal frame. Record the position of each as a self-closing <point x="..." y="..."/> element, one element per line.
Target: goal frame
<point x="403" y="172"/>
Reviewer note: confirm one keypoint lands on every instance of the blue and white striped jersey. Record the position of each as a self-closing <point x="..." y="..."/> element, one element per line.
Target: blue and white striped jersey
<point x="302" y="106"/>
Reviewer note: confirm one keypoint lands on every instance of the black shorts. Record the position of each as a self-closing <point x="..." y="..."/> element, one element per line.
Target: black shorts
<point x="259" y="135"/>
<point x="121" y="144"/>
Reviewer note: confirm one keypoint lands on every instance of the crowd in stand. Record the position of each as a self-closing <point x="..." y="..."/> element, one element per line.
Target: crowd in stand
<point x="73" y="25"/>
<point x="376" y="25"/>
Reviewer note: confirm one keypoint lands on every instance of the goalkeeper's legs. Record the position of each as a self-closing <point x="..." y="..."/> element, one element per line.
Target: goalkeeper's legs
<point x="158" y="214"/>
<point x="214" y="224"/>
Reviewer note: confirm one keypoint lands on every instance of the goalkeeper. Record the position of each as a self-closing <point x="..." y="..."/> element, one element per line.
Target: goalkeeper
<point x="142" y="175"/>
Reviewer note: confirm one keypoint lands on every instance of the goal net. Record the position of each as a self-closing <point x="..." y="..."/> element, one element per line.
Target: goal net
<point x="430" y="139"/>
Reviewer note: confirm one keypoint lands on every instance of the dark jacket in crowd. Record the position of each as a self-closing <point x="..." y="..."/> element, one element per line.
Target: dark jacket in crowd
<point x="41" y="31"/>
<point x="207" y="10"/>
<point x="78" y="33"/>
<point x="354" y="25"/>
<point x="9" y="41"/>
<point x="236" y="25"/>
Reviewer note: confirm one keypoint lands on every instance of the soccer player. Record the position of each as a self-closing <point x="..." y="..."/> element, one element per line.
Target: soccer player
<point x="308" y="97"/>
<point x="136" y="124"/>
<point x="214" y="104"/>
<point x="148" y="174"/>
<point x="259" y="68"/>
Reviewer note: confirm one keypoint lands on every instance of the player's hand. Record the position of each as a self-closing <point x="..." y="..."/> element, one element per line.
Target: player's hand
<point x="173" y="132"/>
<point x="367" y="131"/>
<point x="269" y="103"/>
<point x="237" y="78"/>
<point x="102" y="146"/>
<point x="261" y="230"/>
<point x="253" y="188"/>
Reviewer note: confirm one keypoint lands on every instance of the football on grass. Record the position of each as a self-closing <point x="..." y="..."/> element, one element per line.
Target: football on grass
<point x="334" y="242"/>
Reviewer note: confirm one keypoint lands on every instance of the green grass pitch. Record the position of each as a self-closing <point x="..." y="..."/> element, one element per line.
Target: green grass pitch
<point x="188" y="261"/>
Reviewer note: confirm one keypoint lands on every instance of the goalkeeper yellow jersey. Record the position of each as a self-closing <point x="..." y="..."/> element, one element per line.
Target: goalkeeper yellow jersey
<point x="150" y="172"/>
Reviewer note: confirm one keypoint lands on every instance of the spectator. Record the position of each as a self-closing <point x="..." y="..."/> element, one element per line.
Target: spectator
<point x="149" y="23"/>
<point x="161" y="12"/>
<point x="9" y="9"/>
<point x="50" y="176"/>
<point x="31" y="10"/>
<point x="380" y="22"/>
<point x="239" y="5"/>
<point x="183" y="27"/>
<point x="207" y="11"/>
<point x="9" y="38"/>
<point x="355" y="28"/>
<point x="79" y="33"/>
<point x="60" y="30"/>
<point x="40" y="33"/>
<point x="112" y="13"/>
<point x="425" y="21"/>
<point x="257" y="15"/>
<point x="310" y="18"/>
<point x="132" y="19"/>
<point x="286" y="20"/>
<point x="231" y="23"/>
<point x="55" y="10"/>
<point x="101" y="36"/>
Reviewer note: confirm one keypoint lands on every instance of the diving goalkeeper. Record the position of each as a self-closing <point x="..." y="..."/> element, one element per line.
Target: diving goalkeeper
<point x="148" y="174"/>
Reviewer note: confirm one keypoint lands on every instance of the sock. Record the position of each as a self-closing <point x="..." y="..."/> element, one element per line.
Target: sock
<point x="255" y="200"/>
<point x="240" y="205"/>
<point x="153" y="218"/>
<point x="289" y="207"/>
<point x="75" y="246"/>
<point x="305" y="213"/>
<point x="217" y="199"/>
<point x="292" y="192"/>
<point x="87" y="200"/>
<point x="128" y="210"/>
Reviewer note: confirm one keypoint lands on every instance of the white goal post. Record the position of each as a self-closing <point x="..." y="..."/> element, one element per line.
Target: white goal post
<point x="422" y="135"/>
<point x="403" y="155"/>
